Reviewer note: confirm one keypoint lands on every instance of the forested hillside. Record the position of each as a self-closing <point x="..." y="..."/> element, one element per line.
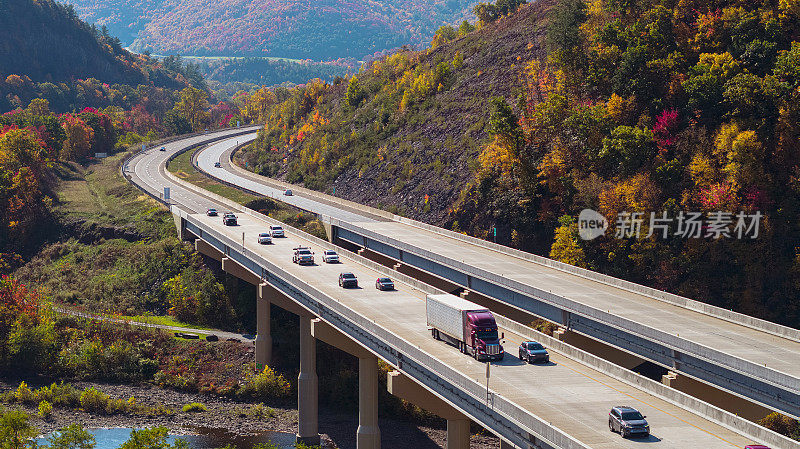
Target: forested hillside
<point x="47" y="42"/>
<point x="640" y="106"/>
<point x="320" y="30"/>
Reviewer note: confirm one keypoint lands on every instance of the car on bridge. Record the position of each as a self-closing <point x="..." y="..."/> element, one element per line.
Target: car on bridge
<point x="628" y="422"/>
<point x="276" y="231"/>
<point x="217" y="164"/>
<point x="384" y="284"/>
<point x="162" y="149"/>
<point x="288" y="192"/>
<point x="756" y="446"/>
<point x="229" y="219"/>
<point x="211" y="212"/>
<point x="303" y="256"/>
<point x="347" y="280"/>
<point x="532" y="352"/>
<point x="330" y="256"/>
<point x="264" y="238"/>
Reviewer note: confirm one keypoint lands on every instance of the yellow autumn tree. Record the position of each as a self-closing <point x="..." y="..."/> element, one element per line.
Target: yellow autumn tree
<point x="566" y="247"/>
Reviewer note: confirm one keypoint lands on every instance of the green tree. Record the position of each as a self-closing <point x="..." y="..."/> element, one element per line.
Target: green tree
<point x="504" y="125"/>
<point x="155" y="438"/>
<point x="627" y="149"/>
<point x="444" y="34"/>
<point x="564" y="33"/>
<point x="193" y="105"/>
<point x="354" y="95"/>
<point x="72" y="437"/>
<point x="15" y="431"/>
<point x="176" y="124"/>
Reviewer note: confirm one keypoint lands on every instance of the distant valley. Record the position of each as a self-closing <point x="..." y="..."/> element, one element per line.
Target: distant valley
<point x="321" y="30"/>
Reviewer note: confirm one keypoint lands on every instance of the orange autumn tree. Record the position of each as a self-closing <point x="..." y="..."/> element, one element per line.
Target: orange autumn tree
<point x="79" y="138"/>
<point x="22" y="185"/>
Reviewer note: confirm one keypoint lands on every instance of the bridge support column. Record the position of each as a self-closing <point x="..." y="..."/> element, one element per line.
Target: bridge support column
<point x="307" y="403"/>
<point x="457" y="434"/>
<point x="263" y="335"/>
<point x="405" y="388"/>
<point x="368" y="435"/>
<point x="506" y="445"/>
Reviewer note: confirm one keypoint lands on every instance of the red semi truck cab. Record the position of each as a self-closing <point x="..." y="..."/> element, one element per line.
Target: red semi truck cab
<point x="464" y="324"/>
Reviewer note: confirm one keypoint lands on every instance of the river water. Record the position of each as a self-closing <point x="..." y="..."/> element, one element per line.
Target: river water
<point x="204" y="438"/>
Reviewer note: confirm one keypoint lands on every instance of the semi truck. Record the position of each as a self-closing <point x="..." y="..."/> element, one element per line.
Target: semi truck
<point x="464" y="324"/>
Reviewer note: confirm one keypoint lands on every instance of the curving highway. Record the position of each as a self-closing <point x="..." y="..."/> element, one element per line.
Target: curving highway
<point x="572" y="397"/>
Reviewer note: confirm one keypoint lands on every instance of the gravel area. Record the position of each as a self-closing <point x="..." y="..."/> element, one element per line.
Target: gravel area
<point x="234" y="416"/>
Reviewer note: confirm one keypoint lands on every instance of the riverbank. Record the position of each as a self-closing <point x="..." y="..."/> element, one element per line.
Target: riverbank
<point x="236" y="417"/>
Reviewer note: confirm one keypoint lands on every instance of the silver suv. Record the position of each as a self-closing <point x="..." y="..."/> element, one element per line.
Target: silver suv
<point x="628" y="422"/>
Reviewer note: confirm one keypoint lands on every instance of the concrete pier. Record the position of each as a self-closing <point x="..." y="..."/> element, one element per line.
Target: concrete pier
<point x="307" y="384"/>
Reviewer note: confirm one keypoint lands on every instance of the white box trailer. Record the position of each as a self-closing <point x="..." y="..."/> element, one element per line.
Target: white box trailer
<point x="469" y="326"/>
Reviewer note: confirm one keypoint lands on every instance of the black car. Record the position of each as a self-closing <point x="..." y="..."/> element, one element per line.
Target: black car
<point x="211" y="212"/>
<point x="384" y="284"/>
<point x="162" y="149"/>
<point x="533" y="352"/>
<point x="347" y="280"/>
<point x="217" y="164"/>
<point x="628" y="422"/>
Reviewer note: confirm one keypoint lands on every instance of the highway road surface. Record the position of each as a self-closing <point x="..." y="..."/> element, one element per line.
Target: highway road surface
<point x="567" y="394"/>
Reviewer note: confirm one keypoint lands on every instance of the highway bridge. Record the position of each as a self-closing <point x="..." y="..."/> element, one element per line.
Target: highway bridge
<point x="560" y="405"/>
<point x="745" y="356"/>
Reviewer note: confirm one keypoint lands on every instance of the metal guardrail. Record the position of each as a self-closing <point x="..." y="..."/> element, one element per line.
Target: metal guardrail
<point x="501" y="415"/>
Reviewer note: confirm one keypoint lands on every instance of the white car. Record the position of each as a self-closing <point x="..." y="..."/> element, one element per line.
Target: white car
<point x="275" y="231"/>
<point x="329" y="256"/>
<point x="264" y="238"/>
<point x="288" y="192"/>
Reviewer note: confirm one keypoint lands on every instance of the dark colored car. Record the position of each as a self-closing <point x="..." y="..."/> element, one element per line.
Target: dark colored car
<point x="218" y="164"/>
<point x="384" y="284"/>
<point x="347" y="280"/>
<point x="756" y="446"/>
<point x="211" y="212"/>
<point x="628" y="422"/>
<point x="162" y="149"/>
<point x="229" y="219"/>
<point x="533" y="352"/>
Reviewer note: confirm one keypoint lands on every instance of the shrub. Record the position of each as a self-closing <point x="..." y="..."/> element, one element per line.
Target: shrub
<point x="261" y="411"/>
<point x="93" y="400"/>
<point x="782" y="424"/>
<point x="45" y="409"/>
<point x="265" y="385"/>
<point x="194" y="407"/>
<point x="24" y="394"/>
<point x="61" y="394"/>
